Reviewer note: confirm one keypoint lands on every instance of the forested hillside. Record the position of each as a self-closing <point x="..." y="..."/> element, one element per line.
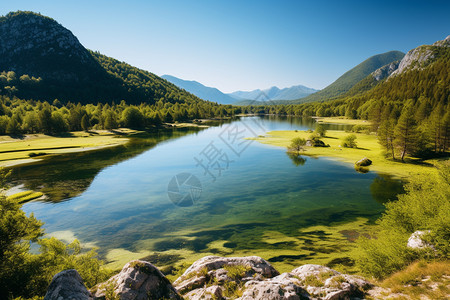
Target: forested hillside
<point x="42" y="60"/>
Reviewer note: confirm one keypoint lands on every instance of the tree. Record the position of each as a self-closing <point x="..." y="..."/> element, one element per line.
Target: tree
<point x="405" y="132"/>
<point x="386" y="132"/>
<point x="13" y="126"/>
<point x="132" y="118"/>
<point x="85" y="123"/>
<point x="320" y="130"/>
<point x="349" y="141"/>
<point x="297" y="144"/>
<point x="58" y="122"/>
<point x="45" y="120"/>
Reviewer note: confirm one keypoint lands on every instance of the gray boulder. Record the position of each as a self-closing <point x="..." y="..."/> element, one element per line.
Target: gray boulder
<point x="415" y="241"/>
<point x="221" y="270"/>
<point x="365" y="162"/>
<point x="138" y="280"/>
<point x="281" y="287"/>
<point x="67" y="285"/>
<point x="213" y="292"/>
<point x="324" y="283"/>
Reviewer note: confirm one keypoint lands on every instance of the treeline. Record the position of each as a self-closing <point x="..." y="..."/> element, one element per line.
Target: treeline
<point x="20" y="116"/>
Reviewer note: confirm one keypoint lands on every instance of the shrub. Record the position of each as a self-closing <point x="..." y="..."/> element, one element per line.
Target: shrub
<point x="349" y="141"/>
<point x="297" y="144"/>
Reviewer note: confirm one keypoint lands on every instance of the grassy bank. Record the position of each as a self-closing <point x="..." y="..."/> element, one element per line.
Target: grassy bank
<point x="341" y="120"/>
<point x="17" y="150"/>
<point x="368" y="146"/>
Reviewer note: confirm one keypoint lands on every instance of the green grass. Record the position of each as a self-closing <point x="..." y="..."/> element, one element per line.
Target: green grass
<point x="341" y="120"/>
<point x="368" y="146"/>
<point x="15" y="149"/>
<point x="25" y="196"/>
<point x="237" y="272"/>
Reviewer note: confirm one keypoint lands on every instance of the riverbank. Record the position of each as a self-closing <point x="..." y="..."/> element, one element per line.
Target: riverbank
<point x="368" y="146"/>
<point x="33" y="147"/>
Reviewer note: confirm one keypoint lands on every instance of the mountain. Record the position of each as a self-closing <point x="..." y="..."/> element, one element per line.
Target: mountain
<point x="274" y="93"/>
<point x="201" y="91"/>
<point x="416" y="59"/>
<point x="40" y="59"/>
<point x="353" y="76"/>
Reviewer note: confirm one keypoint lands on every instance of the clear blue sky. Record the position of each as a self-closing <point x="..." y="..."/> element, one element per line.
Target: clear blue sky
<point x="244" y="45"/>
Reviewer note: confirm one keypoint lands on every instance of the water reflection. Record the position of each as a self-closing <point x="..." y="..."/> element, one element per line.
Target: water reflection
<point x="296" y="158"/>
<point x="385" y="188"/>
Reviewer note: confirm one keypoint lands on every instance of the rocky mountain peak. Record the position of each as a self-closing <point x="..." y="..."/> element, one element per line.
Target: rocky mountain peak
<point x="420" y="57"/>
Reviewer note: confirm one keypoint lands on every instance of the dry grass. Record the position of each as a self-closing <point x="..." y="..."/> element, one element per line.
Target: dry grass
<point x="421" y="280"/>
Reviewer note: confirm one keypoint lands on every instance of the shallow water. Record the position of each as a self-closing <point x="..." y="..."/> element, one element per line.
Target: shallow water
<point x="252" y="199"/>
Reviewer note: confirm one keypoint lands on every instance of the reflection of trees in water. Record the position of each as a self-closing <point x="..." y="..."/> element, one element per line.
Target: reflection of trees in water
<point x="384" y="188"/>
<point x="296" y="158"/>
<point x="65" y="176"/>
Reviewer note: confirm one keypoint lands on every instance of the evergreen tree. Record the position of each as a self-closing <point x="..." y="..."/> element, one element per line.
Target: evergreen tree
<point x="406" y="132"/>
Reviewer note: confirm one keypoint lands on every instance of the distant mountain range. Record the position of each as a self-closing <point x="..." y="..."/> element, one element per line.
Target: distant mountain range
<point x="201" y="91"/>
<point x="274" y="93"/>
<point x="240" y="97"/>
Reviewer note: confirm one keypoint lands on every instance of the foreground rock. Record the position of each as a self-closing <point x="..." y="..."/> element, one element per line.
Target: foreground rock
<point x="67" y="285"/>
<point x="138" y="280"/>
<point x="223" y="270"/>
<point x="213" y="277"/>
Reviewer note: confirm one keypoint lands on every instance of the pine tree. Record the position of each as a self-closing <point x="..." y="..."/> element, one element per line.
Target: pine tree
<point x="406" y="132"/>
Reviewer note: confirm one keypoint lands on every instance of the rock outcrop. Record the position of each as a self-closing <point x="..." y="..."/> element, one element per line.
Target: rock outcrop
<point x="67" y="285"/>
<point x="220" y="270"/>
<point x="213" y="277"/>
<point x="385" y="71"/>
<point x="138" y="280"/>
<point x="420" y="57"/>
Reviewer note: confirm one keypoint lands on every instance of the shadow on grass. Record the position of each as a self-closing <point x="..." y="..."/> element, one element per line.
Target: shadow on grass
<point x="17" y="136"/>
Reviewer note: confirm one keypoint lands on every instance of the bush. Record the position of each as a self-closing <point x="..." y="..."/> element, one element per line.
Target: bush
<point x="297" y="144"/>
<point x="349" y="141"/>
<point x="425" y="206"/>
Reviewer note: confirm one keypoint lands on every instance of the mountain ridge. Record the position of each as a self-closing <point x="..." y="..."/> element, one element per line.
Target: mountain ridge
<point x="347" y="80"/>
<point x="200" y="90"/>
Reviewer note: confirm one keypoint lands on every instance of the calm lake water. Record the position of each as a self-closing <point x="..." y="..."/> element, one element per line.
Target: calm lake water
<point x="250" y="199"/>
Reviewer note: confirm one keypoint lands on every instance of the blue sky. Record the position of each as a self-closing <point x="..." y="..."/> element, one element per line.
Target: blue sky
<point x="244" y="45"/>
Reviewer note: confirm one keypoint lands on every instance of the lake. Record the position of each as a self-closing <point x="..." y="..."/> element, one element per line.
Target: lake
<point x="179" y="195"/>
